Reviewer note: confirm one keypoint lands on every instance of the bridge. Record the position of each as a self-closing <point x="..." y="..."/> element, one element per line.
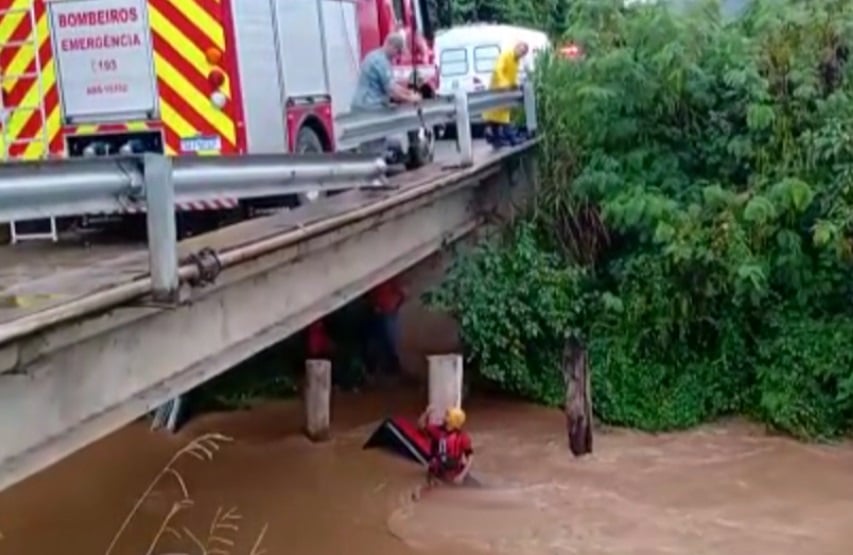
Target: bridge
<point x="87" y="347"/>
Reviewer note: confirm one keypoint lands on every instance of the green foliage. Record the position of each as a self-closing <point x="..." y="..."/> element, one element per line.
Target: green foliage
<point x="268" y="375"/>
<point x="697" y="172"/>
<point x="514" y="305"/>
<point x="805" y="377"/>
<point x="547" y="15"/>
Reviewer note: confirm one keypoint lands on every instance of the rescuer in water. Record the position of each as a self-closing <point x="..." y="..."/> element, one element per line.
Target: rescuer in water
<point x="451" y="454"/>
<point x="376" y="88"/>
<point x="499" y="130"/>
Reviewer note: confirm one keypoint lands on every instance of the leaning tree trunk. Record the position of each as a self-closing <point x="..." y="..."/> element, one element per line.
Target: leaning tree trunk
<point x="578" y="406"/>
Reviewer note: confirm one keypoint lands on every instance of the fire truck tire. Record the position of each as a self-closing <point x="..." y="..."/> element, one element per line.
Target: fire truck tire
<point x="421" y="149"/>
<point x="308" y="142"/>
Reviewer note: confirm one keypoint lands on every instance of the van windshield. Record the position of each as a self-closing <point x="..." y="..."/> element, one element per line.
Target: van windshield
<point x="485" y="57"/>
<point x="453" y="61"/>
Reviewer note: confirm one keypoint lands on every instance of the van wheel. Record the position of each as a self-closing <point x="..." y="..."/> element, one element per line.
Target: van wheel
<point x="308" y="142"/>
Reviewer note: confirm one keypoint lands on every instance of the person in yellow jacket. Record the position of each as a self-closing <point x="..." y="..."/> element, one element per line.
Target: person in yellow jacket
<point x="504" y="76"/>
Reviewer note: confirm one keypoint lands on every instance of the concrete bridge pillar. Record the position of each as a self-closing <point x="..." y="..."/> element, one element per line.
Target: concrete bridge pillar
<point x="318" y="398"/>
<point x="445" y="384"/>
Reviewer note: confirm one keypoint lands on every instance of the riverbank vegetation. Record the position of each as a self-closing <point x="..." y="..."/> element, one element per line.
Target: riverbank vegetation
<point x="693" y="224"/>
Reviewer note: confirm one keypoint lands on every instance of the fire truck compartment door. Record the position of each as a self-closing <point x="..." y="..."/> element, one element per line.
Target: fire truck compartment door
<point x="343" y="54"/>
<point x="104" y="60"/>
<point x="301" y="48"/>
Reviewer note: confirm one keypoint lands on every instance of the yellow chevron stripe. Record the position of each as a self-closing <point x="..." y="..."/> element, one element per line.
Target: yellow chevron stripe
<point x="17" y="66"/>
<point x="21" y="60"/>
<point x="137" y="126"/>
<point x="192" y="54"/>
<point x="11" y="21"/>
<point x="180" y="126"/>
<point x="218" y="119"/>
<point x="176" y="121"/>
<point x="205" y="22"/>
<point x="25" y="54"/>
<point x="87" y="129"/>
<point x="38" y="149"/>
<point x="179" y="41"/>
<point x="18" y="119"/>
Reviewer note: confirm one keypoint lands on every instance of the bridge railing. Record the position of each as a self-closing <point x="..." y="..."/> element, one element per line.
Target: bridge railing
<point x="155" y="183"/>
<point x="358" y="128"/>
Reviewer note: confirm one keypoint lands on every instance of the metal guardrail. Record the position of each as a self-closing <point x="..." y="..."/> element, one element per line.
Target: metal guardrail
<point x="482" y="101"/>
<point x="357" y="128"/>
<point x="52" y="188"/>
<point x="55" y="188"/>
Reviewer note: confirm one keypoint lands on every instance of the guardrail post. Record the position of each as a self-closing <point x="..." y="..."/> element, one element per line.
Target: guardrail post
<point x="463" y="129"/>
<point x="162" y="229"/>
<point x="529" y="106"/>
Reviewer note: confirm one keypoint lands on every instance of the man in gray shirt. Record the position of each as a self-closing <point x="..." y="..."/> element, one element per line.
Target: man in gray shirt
<point x="376" y="88"/>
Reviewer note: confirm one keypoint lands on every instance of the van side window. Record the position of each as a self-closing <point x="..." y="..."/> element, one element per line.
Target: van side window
<point x="485" y="58"/>
<point x="453" y="61"/>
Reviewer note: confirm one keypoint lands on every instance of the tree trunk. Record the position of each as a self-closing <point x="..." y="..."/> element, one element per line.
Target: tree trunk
<point x="578" y="406"/>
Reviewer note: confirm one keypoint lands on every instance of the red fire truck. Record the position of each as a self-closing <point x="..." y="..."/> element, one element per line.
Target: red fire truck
<point x="191" y="77"/>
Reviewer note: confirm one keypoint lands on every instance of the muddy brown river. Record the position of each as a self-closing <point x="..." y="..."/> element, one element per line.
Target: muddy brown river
<point x="727" y="489"/>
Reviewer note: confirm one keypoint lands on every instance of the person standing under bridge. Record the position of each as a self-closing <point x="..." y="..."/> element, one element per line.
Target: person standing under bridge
<point x="384" y="331"/>
<point x="499" y="129"/>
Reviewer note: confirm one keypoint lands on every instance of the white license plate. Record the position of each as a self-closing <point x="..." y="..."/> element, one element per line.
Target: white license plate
<point x="201" y="144"/>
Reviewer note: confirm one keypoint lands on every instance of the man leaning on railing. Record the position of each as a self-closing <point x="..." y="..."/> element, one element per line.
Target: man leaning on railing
<point x="376" y="88"/>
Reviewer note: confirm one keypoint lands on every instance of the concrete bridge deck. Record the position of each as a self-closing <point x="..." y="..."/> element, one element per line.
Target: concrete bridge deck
<point x="79" y="374"/>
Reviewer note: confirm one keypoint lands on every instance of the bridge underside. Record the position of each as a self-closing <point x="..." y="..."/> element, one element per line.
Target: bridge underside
<point x="66" y="386"/>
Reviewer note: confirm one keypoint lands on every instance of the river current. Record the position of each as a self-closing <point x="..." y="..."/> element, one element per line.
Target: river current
<point x="248" y="483"/>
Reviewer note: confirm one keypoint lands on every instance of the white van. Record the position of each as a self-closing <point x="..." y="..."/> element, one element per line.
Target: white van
<point x="467" y="54"/>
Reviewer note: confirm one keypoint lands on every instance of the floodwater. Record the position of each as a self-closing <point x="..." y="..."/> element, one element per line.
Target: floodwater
<point x="727" y="489"/>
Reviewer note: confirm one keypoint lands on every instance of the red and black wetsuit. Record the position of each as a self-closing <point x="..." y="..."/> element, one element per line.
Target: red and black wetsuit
<point x="447" y="449"/>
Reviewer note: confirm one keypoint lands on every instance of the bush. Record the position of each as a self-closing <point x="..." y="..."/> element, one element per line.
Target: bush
<point x="514" y="302"/>
<point x="696" y="181"/>
<point x="805" y="378"/>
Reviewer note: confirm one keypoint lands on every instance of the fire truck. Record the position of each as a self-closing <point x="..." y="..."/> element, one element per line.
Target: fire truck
<point x="192" y="77"/>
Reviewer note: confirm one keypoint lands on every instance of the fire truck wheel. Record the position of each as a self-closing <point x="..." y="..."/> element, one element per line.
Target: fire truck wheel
<point x="421" y="148"/>
<point x="308" y="142"/>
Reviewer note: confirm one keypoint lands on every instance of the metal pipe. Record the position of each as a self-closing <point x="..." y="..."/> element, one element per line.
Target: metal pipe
<point x="104" y="300"/>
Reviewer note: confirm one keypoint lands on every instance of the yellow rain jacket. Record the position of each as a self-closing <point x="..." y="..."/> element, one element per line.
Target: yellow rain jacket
<point x="505" y="75"/>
